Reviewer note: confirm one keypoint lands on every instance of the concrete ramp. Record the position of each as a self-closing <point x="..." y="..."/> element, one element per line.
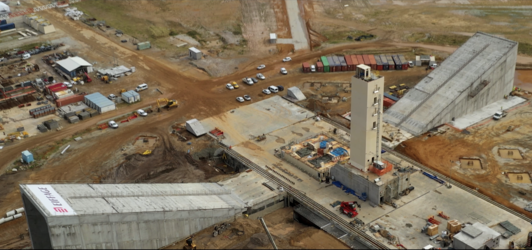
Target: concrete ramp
<point x="295" y="94"/>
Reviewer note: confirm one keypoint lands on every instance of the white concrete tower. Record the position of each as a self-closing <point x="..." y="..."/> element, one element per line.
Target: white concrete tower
<point x="366" y="118"/>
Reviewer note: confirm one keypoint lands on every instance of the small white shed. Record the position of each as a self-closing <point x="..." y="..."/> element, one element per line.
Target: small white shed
<point x="273" y="38"/>
<point x="195" y="53"/>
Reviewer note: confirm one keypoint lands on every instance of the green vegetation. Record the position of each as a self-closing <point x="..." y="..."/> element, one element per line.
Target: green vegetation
<point x="525" y="48"/>
<point x="451" y="40"/>
<point x="335" y="36"/>
<point x="194" y="34"/>
<point x="238" y="30"/>
<point x="173" y="33"/>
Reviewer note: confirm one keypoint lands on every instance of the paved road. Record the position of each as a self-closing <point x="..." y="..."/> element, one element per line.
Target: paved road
<point x="297" y="27"/>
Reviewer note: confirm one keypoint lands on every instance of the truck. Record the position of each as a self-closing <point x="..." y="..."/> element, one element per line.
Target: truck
<point x="349" y="208"/>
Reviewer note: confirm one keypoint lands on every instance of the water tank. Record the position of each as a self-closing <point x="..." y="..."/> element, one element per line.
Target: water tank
<point x="10" y="213"/>
<point x="323" y="144"/>
<point x="17" y="216"/>
<point x="19" y="210"/>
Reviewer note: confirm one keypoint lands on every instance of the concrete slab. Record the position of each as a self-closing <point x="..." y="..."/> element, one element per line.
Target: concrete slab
<point x="297" y="27"/>
<point x="405" y="222"/>
<point x="486" y="112"/>
<point x="256" y="119"/>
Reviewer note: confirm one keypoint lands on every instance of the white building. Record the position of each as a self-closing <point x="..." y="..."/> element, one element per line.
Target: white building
<point x="273" y="38"/>
<point x="194" y="53"/>
<point x="366" y="118"/>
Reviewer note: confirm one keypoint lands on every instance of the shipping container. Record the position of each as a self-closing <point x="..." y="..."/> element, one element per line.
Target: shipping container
<point x="373" y="62"/>
<point x="57" y="89"/>
<point x="3" y="21"/>
<point x="365" y="58"/>
<point x="69" y="100"/>
<point x="391" y="63"/>
<point x="63" y="94"/>
<point x="343" y="63"/>
<point x="349" y="62"/>
<point x="306" y="67"/>
<point x="143" y="46"/>
<point x="7" y="26"/>
<point x="337" y="64"/>
<point x="384" y="62"/>
<point x="331" y="64"/>
<point x="379" y="62"/>
<point x="51" y="86"/>
<point x="325" y="62"/>
<point x="398" y="62"/>
<point x="360" y="59"/>
<point x="387" y="102"/>
<point x="404" y="61"/>
<point x="319" y="66"/>
<point x="355" y="61"/>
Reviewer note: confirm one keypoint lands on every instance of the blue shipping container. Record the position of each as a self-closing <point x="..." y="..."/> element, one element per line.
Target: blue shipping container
<point x="8" y="26"/>
<point x="3" y="22"/>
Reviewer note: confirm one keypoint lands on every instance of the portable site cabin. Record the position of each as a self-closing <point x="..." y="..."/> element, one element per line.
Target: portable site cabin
<point x="194" y="53"/>
<point x="131" y="96"/>
<point x="99" y="102"/>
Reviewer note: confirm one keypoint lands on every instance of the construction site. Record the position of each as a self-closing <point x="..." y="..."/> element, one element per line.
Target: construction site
<point x="344" y="132"/>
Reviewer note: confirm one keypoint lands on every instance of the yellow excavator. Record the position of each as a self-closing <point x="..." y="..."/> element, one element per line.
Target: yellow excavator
<point x="166" y="103"/>
<point x="147" y="152"/>
<point x="189" y="244"/>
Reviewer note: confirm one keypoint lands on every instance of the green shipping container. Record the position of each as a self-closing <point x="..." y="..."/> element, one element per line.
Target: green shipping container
<point x="325" y="64"/>
<point x="143" y="45"/>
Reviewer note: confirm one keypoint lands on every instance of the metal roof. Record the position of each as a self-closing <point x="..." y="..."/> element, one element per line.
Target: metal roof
<point x="249" y="187"/>
<point x="273" y="36"/>
<point x="193" y="49"/>
<point x="129" y="198"/>
<point x="417" y="109"/>
<point x="73" y="63"/>
<point x="114" y="71"/>
<point x="99" y="100"/>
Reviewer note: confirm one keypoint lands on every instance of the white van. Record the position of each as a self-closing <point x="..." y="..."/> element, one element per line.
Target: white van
<point x="273" y="89"/>
<point x="142" y="87"/>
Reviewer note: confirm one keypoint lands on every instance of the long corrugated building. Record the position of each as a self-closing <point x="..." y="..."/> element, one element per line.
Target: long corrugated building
<point x="99" y="102"/>
<point x="121" y="216"/>
<point x="478" y="73"/>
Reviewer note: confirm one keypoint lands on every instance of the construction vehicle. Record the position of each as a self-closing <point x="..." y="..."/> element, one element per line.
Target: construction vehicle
<point x="403" y="86"/>
<point x="166" y="103"/>
<point x="147" y="152"/>
<point x="189" y="244"/>
<point x="122" y="91"/>
<point x="87" y="78"/>
<point x="105" y="79"/>
<point x="349" y="208"/>
<point x="260" y="138"/>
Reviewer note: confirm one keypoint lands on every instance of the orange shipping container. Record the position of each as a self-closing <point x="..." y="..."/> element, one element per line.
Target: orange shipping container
<point x="373" y="62"/>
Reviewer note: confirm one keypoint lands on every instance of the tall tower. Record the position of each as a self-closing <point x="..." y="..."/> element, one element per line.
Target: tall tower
<point x="366" y="118"/>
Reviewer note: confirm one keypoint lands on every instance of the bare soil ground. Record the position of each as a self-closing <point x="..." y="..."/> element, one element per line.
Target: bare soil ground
<point x="287" y="233"/>
<point x="443" y="152"/>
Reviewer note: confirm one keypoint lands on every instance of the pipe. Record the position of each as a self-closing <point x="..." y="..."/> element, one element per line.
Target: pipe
<point x="10" y="213"/>
<point x="268" y="232"/>
<point x="19" y="210"/>
<point x="62" y="152"/>
<point x="17" y="216"/>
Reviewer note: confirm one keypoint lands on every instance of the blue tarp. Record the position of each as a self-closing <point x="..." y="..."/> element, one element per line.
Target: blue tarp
<point x="338" y="152"/>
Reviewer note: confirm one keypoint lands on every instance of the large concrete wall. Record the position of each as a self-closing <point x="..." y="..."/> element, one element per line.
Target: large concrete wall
<point x="139" y="230"/>
<point x="500" y="77"/>
<point x="357" y="183"/>
<point x="301" y="165"/>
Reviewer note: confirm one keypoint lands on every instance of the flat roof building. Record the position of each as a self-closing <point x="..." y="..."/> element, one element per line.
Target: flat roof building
<point x="99" y="102"/>
<point x="478" y="73"/>
<point x="118" y="216"/>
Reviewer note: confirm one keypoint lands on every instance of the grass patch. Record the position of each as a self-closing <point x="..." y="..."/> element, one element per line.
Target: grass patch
<point x="342" y="36"/>
<point x="451" y="40"/>
<point x="524" y="48"/>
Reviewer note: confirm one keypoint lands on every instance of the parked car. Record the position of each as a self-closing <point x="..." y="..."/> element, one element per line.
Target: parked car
<point x="247" y="97"/>
<point x="235" y="85"/>
<point x="229" y="86"/>
<point x="434" y="65"/>
<point x="287" y="59"/>
<point x="254" y="80"/>
<point x="498" y="115"/>
<point x="142" y="112"/>
<point x="249" y="81"/>
<point x="410" y="64"/>
<point x="273" y="89"/>
<point x="261" y="76"/>
<point x="266" y="91"/>
<point x="281" y="88"/>
<point x="113" y="124"/>
<point x="283" y="71"/>
<point x="262" y="66"/>
<point x="69" y="85"/>
<point x="312" y="68"/>
<point x="240" y="99"/>
<point x="26" y="56"/>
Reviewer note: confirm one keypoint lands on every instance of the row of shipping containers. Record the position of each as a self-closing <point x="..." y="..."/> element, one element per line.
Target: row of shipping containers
<point x="51" y="89"/>
<point x="42" y="111"/>
<point x="350" y="62"/>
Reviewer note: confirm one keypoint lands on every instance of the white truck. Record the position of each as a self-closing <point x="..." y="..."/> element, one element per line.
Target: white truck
<point x="498" y="115"/>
